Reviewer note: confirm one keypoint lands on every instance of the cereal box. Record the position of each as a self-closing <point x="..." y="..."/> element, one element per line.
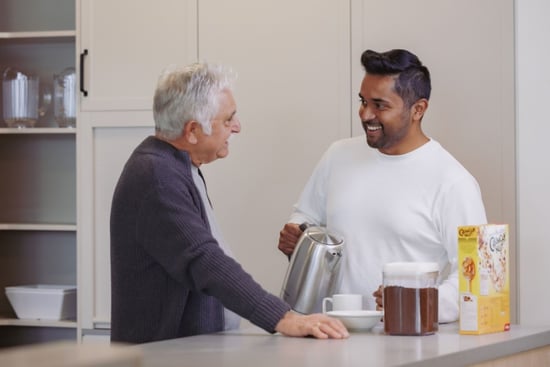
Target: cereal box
<point x="484" y="278"/>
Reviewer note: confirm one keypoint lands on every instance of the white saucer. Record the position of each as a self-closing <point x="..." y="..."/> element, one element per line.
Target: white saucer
<point x="359" y="320"/>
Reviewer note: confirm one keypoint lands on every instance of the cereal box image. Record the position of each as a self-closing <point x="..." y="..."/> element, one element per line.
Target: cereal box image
<point x="484" y="273"/>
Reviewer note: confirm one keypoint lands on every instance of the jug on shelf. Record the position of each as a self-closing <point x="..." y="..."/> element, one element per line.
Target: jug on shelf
<point x="20" y="98"/>
<point x="64" y="92"/>
<point x="314" y="269"/>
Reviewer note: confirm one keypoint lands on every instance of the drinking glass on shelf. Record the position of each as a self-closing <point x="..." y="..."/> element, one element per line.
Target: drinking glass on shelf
<point x="65" y="97"/>
<point x="20" y="98"/>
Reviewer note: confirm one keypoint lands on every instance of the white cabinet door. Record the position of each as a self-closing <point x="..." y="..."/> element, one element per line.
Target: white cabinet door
<point x="112" y="147"/>
<point x="104" y="150"/>
<point x="471" y="108"/>
<point x="292" y="93"/>
<point x="468" y="46"/>
<point x="124" y="44"/>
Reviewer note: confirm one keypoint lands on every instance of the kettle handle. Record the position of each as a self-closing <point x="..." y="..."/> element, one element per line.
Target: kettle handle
<point x="302" y="227"/>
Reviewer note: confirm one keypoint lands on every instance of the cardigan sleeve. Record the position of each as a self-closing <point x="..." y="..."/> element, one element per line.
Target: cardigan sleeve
<point x="172" y="227"/>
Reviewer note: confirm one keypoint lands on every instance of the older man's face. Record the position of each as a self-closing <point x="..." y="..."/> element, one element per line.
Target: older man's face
<point x="224" y="124"/>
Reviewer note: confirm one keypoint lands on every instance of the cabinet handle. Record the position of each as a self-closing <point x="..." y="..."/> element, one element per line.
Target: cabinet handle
<point x="82" y="55"/>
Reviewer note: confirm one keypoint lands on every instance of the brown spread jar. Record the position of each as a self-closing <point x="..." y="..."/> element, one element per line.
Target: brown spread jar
<point x="410" y="298"/>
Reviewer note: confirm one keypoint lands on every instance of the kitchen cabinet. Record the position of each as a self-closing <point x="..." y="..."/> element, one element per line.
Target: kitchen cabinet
<point x="279" y="104"/>
<point x="293" y="96"/>
<point x="297" y="92"/>
<point x="294" y="91"/>
<point x="298" y="77"/>
<point x="472" y="104"/>
<point x="298" y="67"/>
<point x="125" y="43"/>
<point x="111" y="146"/>
<point x="37" y="170"/>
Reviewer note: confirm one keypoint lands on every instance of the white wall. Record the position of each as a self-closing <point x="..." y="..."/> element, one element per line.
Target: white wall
<point x="533" y="176"/>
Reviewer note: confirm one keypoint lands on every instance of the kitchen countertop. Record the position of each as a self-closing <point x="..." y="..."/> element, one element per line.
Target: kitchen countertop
<point x="255" y="347"/>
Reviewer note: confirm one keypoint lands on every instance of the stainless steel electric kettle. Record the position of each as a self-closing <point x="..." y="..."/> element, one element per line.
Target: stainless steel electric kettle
<point x="314" y="269"/>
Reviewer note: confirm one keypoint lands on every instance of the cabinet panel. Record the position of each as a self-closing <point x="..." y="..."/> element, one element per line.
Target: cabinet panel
<point x="471" y="108"/>
<point x="113" y="146"/>
<point x="128" y="42"/>
<point x="37" y="15"/>
<point x="293" y="99"/>
<point x="110" y="148"/>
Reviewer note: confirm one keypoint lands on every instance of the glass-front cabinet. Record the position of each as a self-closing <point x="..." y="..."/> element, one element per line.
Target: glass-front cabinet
<point x="37" y="169"/>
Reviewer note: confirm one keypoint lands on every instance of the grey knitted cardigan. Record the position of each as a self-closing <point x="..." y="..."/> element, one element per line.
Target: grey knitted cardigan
<point x="169" y="277"/>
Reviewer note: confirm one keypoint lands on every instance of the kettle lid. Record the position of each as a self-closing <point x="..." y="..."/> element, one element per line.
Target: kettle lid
<point x="323" y="235"/>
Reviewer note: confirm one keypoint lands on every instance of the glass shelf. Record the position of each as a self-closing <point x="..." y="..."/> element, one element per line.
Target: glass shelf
<point x="38" y="130"/>
<point x="71" y="34"/>
<point x="37" y="227"/>
<point x="7" y="321"/>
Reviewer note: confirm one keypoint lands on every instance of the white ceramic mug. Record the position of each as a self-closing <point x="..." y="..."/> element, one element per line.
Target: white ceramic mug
<point x="343" y="302"/>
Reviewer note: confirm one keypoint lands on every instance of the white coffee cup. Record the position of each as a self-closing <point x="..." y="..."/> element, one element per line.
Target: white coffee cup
<point x="344" y="302"/>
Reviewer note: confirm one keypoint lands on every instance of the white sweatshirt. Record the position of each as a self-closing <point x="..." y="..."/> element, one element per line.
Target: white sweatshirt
<point x="392" y="208"/>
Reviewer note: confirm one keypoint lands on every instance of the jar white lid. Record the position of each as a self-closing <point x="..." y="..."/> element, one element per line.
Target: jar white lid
<point x="410" y="268"/>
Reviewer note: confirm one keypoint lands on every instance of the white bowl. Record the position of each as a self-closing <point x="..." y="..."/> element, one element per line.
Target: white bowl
<point x="358" y="320"/>
<point x="43" y="301"/>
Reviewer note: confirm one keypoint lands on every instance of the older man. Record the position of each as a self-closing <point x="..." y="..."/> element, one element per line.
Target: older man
<point x="172" y="274"/>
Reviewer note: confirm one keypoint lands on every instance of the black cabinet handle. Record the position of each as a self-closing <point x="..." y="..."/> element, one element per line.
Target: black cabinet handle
<point x="82" y="55"/>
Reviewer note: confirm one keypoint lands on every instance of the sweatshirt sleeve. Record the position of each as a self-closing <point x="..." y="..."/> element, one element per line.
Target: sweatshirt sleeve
<point x="462" y="205"/>
<point x="311" y="205"/>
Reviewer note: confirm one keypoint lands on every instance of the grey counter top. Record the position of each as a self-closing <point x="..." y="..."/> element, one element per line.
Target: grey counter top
<point x="254" y="347"/>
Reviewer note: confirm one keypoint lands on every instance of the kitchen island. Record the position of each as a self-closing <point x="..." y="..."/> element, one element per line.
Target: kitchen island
<point x="526" y="346"/>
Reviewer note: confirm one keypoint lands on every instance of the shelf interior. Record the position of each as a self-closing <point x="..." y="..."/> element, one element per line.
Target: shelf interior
<point x="38" y="182"/>
<point x="35" y="257"/>
<point x="42" y="57"/>
<point x="12" y="336"/>
<point x="46" y="15"/>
